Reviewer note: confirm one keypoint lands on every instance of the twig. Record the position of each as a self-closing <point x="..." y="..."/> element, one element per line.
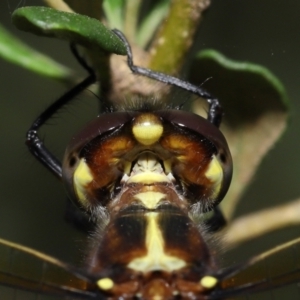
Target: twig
<point x="175" y="37"/>
<point x="259" y="223"/>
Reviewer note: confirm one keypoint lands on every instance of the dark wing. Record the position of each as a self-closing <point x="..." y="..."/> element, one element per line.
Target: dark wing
<point x="27" y="269"/>
<point x="269" y="270"/>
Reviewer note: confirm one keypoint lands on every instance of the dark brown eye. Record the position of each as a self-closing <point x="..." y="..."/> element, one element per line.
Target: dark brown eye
<point x="197" y="124"/>
<point x="101" y="125"/>
<point x="203" y="163"/>
<point x="97" y="148"/>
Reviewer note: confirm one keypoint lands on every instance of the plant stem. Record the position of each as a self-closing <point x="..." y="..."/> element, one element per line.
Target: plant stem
<point x="262" y="222"/>
<point x="175" y="37"/>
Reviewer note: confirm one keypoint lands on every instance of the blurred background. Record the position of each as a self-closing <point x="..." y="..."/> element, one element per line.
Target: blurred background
<point x="32" y="202"/>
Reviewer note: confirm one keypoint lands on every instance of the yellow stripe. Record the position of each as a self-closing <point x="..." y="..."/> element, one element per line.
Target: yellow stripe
<point x="156" y="258"/>
<point x="215" y="174"/>
<point x="82" y="177"/>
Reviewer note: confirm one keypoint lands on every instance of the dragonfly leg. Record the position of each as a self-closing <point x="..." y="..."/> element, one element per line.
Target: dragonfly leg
<point x="33" y="142"/>
<point x="215" y="111"/>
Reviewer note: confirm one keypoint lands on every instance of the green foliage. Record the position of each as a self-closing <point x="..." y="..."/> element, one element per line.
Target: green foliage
<point x="15" y="51"/>
<point x="72" y="27"/>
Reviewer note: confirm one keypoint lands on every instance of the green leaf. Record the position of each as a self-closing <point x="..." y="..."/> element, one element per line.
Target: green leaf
<point x="73" y="27"/>
<point x="15" y="51"/>
<point x="255" y="105"/>
<point x="174" y="38"/>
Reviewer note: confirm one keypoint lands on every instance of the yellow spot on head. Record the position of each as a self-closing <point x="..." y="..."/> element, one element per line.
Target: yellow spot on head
<point x="215" y="174"/>
<point x="208" y="282"/>
<point x="105" y="284"/>
<point x="82" y="177"/>
<point x="147" y="129"/>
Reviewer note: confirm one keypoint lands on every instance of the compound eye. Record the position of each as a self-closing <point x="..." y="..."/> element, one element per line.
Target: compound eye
<point x="201" y="158"/>
<point x="91" y="161"/>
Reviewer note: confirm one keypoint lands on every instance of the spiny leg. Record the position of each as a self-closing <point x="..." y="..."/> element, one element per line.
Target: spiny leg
<point x="215" y="111"/>
<point x="40" y="151"/>
<point x="33" y="142"/>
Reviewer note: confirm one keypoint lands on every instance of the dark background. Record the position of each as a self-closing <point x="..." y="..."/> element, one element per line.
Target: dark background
<point x="32" y="202"/>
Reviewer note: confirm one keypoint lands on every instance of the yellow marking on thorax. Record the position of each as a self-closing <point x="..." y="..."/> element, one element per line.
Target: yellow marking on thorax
<point x="82" y="177"/>
<point x="215" y="174"/>
<point x="156" y="258"/>
<point x="150" y="199"/>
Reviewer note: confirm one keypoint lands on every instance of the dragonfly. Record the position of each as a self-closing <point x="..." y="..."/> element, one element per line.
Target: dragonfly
<point x="143" y="174"/>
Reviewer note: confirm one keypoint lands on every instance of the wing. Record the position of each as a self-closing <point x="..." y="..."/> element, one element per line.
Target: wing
<point x="271" y="269"/>
<point x="27" y="269"/>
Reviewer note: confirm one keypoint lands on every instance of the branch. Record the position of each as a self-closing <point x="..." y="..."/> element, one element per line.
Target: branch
<point x="262" y="222"/>
<point x="175" y="37"/>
